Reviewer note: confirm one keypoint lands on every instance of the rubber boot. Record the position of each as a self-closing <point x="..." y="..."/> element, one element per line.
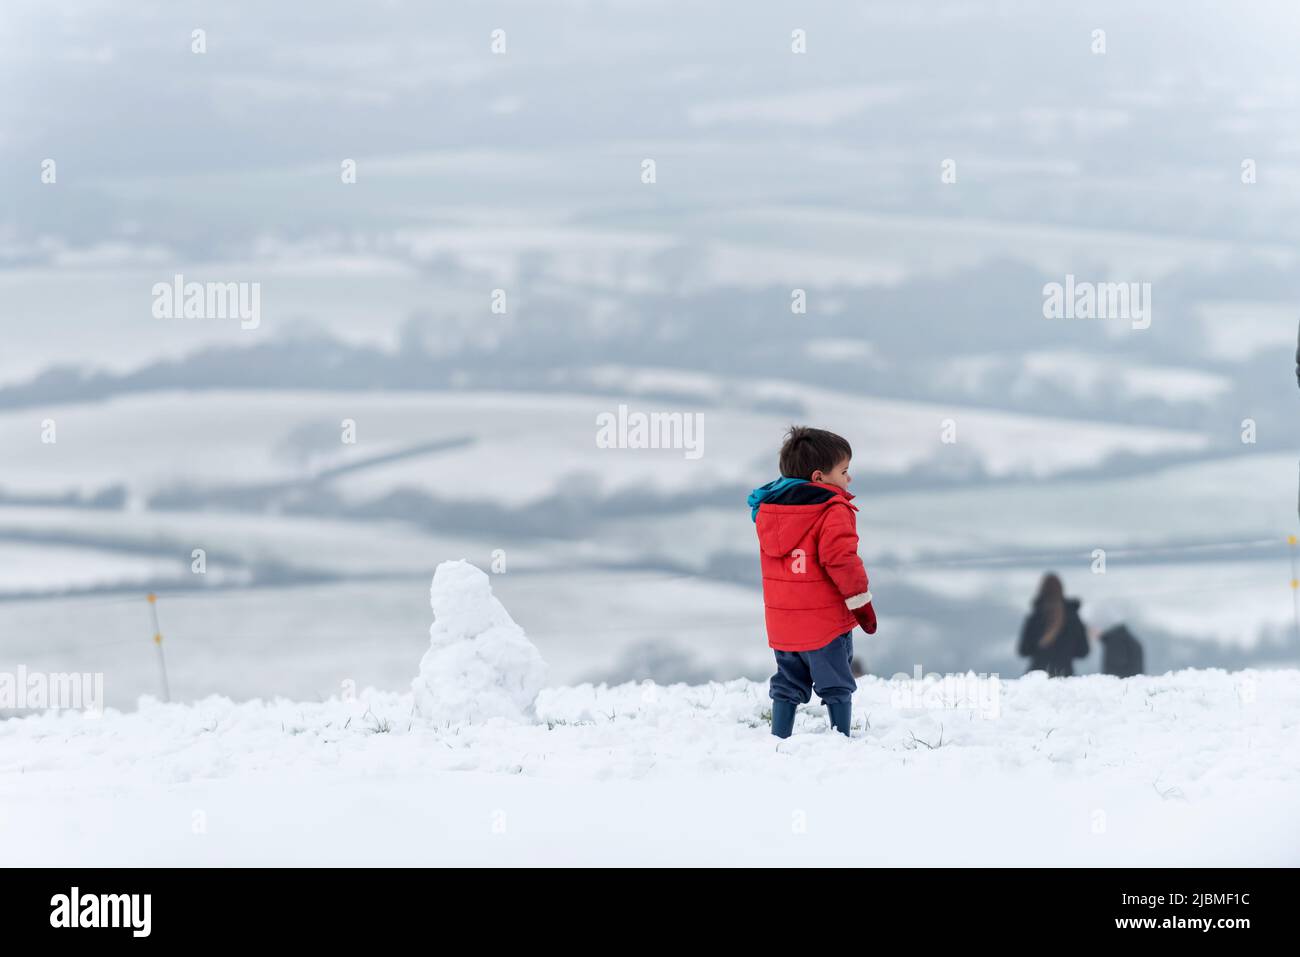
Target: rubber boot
<point x="841" y="713"/>
<point x="782" y="717"/>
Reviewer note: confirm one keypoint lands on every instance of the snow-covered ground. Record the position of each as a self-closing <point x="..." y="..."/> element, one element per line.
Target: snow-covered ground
<point x="1190" y="768"/>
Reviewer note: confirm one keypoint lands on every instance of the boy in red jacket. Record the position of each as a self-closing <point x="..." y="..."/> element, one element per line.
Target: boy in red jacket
<point x="814" y="583"/>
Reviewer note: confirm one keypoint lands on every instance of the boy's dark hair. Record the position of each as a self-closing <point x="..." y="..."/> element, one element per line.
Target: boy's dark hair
<point x="808" y="450"/>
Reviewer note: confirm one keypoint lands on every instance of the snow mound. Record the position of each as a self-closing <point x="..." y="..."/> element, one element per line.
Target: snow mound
<point x="480" y="664"/>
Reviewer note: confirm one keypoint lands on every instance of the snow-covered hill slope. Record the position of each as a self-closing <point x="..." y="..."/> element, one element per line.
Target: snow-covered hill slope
<point x="1190" y="768"/>
<point x="431" y="441"/>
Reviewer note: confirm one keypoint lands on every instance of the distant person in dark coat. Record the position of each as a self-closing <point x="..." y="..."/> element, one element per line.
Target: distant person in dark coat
<point x="1121" y="653"/>
<point x="1053" y="636"/>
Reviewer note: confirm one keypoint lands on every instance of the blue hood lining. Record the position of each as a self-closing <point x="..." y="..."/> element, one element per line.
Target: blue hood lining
<point x="769" y="491"/>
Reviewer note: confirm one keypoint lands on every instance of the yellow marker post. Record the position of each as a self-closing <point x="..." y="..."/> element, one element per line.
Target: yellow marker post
<point x="1295" y="585"/>
<point x="157" y="641"/>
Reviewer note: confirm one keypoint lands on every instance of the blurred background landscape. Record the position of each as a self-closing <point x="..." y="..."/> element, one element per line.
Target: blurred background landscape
<point x="475" y="430"/>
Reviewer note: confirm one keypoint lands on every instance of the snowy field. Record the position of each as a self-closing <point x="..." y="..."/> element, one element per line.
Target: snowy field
<point x="481" y="763"/>
<point x="246" y="439"/>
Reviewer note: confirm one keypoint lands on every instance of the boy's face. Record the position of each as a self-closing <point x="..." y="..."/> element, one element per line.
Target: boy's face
<point x="838" y="476"/>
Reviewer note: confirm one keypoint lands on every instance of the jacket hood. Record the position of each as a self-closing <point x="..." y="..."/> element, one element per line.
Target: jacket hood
<point x="769" y="491"/>
<point x="786" y="517"/>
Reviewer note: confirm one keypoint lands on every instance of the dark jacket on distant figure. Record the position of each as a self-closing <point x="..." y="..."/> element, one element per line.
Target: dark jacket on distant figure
<point x="1057" y="659"/>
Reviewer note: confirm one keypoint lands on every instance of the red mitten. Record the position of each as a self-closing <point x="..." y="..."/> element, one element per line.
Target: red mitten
<point x="866" y="616"/>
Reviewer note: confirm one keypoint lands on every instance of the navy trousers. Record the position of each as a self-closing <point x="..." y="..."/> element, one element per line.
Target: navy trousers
<point x="827" y="670"/>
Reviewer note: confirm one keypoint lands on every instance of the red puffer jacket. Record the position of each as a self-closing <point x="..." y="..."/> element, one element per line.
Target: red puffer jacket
<point x="808" y="540"/>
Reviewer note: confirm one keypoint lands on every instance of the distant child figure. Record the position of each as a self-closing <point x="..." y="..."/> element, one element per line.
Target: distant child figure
<point x="1121" y="653"/>
<point x="814" y="583"/>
